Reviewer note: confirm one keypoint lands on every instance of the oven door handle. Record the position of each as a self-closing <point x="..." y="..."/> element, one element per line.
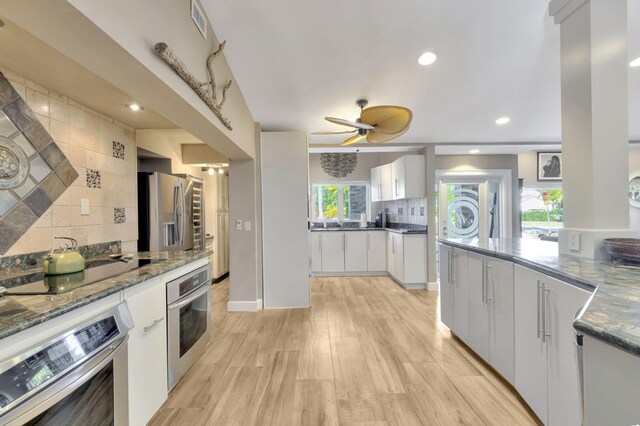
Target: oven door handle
<point x="193" y="296"/>
<point x="60" y="389"/>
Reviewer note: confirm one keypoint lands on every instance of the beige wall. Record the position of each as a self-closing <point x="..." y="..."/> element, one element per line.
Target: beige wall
<point x="86" y="138"/>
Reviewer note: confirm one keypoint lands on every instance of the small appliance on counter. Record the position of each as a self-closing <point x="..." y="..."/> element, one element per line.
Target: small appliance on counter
<point x="65" y="260"/>
<point x="381" y="220"/>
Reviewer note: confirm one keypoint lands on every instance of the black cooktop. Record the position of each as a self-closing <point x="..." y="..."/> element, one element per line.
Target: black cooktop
<point x="96" y="270"/>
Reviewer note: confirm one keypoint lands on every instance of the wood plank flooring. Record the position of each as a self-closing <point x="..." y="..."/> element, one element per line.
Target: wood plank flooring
<point x="366" y="353"/>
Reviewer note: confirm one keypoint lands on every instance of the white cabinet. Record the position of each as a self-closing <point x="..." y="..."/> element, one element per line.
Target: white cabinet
<point x="406" y="259"/>
<point x="316" y="252"/>
<point x="147" y="354"/>
<point x="545" y="368"/>
<point x="355" y="251"/>
<point x="490" y="330"/>
<point x="376" y="251"/>
<point x="408" y="177"/>
<point x="391" y="254"/>
<point x="376" y="185"/>
<point x="332" y="250"/>
<point x="459" y="274"/>
<point x="386" y="189"/>
<point x="446" y="286"/>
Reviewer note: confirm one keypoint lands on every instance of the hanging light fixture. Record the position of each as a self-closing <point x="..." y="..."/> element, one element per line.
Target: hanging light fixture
<point x="338" y="165"/>
<point x="221" y="171"/>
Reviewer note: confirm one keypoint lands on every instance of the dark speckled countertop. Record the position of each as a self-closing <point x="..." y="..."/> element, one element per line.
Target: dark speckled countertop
<point x="613" y="313"/>
<point x="408" y="229"/>
<point x="18" y="313"/>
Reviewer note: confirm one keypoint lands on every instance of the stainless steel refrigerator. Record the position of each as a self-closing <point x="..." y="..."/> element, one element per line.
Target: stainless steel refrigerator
<point x="170" y="212"/>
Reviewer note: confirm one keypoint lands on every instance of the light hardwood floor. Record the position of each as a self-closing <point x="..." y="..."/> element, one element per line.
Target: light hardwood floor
<point x="366" y="353"/>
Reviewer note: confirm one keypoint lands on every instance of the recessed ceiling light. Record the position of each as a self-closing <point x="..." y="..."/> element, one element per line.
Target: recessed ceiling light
<point x="134" y="107"/>
<point x="220" y="171"/>
<point x="427" y="58"/>
<point x="474" y="151"/>
<point x="635" y="62"/>
<point x="211" y="170"/>
<point x="503" y="120"/>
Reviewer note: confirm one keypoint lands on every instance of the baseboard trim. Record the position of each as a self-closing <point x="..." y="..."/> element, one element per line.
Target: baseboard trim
<point x="432" y="286"/>
<point x="244" y="306"/>
<point x="350" y="274"/>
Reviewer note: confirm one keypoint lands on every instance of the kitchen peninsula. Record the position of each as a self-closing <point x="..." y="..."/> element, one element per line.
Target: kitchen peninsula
<point x="596" y="298"/>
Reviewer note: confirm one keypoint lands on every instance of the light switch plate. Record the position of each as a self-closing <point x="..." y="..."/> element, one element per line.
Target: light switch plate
<point x="247" y="225"/>
<point x="238" y="225"/>
<point x="574" y="241"/>
<point x="84" y="206"/>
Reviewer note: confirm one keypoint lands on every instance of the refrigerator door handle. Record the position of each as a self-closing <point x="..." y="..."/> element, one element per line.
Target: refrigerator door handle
<point x="176" y="213"/>
<point x="183" y="209"/>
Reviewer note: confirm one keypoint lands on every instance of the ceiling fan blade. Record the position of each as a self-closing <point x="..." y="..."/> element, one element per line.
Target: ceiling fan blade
<point x="388" y="119"/>
<point x="350" y="123"/>
<point x="334" y="133"/>
<point x="375" y="137"/>
<point x="353" y="139"/>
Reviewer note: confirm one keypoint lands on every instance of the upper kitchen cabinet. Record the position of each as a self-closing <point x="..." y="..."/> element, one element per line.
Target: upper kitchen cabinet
<point x="407" y="177"/>
<point x="381" y="187"/>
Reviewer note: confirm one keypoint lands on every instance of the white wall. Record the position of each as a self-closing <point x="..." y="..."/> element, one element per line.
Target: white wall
<point x="528" y="170"/>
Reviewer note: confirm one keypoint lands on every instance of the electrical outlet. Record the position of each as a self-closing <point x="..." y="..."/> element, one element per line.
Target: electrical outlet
<point x="574" y="241"/>
<point x="238" y="225"/>
<point x="247" y="225"/>
<point x="84" y="206"/>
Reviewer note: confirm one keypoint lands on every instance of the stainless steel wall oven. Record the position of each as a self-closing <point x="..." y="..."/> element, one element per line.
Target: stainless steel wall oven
<point x="188" y="316"/>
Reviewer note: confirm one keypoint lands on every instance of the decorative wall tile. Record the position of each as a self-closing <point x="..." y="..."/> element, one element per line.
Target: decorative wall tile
<point x="94" y="178"/>
<point x="400" y="211"/>
<point x="421" y="210"/>
<point x="119" y="215"/>
<point x="413" y="211"/>
<point x="28" y="186"/>
<point x="118" y="150"/>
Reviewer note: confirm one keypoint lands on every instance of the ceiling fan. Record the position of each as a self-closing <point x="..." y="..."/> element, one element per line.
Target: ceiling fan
<point x="377" y="124"/>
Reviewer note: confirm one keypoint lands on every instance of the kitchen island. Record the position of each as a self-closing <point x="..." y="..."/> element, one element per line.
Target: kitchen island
<point x="608" y="320"/>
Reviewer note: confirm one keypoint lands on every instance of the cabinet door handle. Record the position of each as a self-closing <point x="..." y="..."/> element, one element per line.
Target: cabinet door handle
<point x="368" y="249"/>
<point x="153" y="324"/>
<point x="344" y="242"/>
<point x="453" y="267"/>
<point x="320" y="242"/>
<point x="545" y="322"/>
<point x="484" y="284"/>
<point x="487" y="285"/>
<point x="538" y="309"/>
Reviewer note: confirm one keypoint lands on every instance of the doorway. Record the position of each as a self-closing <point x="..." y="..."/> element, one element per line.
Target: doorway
<point x="474" y="205"/>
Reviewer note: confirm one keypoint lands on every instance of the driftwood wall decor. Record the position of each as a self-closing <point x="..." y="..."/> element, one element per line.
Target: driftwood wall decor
<point x="210" y="97"/>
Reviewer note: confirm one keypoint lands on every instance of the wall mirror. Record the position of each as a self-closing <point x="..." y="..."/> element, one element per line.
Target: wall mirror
<point x="634" y="189"/>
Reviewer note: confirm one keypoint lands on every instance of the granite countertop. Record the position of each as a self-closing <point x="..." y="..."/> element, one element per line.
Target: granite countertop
<point x="612" y="313"/>
<point x="18" y="313"/>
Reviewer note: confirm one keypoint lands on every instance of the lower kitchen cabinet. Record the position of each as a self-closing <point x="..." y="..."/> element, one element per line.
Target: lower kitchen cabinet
<point x="332" y="251"/>
<point x="491" y="321"/>
<point x="407" y="259"/>
<point x="147" y="354"/>
<point x="316" y="252"/>
<point x="376" y="251"/>
<point x="546" y="367"/>
<point x="355" y="251"/>
<point x="446" y="286"/>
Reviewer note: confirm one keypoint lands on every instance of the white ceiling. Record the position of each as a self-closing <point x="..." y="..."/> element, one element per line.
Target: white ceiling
<point x="298" y="61"/>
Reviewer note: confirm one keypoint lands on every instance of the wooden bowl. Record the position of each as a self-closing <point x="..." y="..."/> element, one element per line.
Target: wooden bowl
<point x="625" y="249"/>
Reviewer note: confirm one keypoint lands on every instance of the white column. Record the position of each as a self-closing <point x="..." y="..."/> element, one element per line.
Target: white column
<point x="595" y="130"/>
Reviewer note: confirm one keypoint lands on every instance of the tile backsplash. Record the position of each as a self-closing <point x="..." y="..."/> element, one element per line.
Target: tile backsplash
<point x="101" y="150"/>
<point x="402" y="211"/>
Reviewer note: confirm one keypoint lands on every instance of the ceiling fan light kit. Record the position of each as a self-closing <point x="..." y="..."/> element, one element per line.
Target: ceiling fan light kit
<point x="377" y="124"/>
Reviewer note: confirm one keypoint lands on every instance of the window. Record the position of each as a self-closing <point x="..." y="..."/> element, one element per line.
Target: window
<point x="342" y="202"/>
<point x="542" y="212"/>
